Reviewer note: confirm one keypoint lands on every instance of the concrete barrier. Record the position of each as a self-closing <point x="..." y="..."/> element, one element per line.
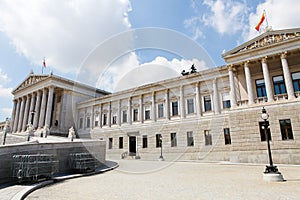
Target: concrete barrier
<point x="60" y="151"/>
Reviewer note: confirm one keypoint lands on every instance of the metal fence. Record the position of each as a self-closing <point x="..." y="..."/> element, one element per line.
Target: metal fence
<point x="82" y="162"/>
<point x="34" y="167"/>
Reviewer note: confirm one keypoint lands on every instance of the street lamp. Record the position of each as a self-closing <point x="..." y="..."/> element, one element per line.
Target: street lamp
<point x="271" y="172"/>
<point x="161" y="158"/>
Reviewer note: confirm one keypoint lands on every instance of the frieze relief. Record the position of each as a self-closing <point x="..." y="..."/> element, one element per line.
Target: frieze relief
<point x="30" y="81"/>
<point x="268" y="40"/>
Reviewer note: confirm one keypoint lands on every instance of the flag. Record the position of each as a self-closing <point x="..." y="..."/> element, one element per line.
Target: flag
<point x="257" y="27"/>
<point x="44" y="62"/>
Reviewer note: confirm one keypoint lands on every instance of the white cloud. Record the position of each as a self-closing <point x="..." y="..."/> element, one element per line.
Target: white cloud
<point x="158" y="69"/>
<point x="225" y="16"/>
<point x="5" y="112"/>
<point x="4" y="91"/>
<point x="62" y="31"/>
<point x="280" y="15"/>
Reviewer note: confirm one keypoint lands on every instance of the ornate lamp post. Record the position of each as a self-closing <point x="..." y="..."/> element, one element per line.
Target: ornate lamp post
<point x="271" y="172"/>
<point x="161" y="158"/>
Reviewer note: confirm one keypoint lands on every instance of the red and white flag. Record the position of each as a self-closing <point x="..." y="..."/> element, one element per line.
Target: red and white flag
<point x="257" y="27"/>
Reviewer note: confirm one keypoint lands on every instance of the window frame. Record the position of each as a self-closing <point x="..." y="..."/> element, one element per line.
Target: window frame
<point x="207" y="103"/>
<point x="260" y="88"/>
<point x="279" y="85"/>
<point x="175" y="108"/>
<point x="263" y="137"/>
<point x="160" y="110"/>
<point x="121" y="142"/>
<point x="227" y="136"/>
<point x="158" y="142"/>
<point x="190" y="105"/>
<point x="135" y="115"/>
<point x="286" y="134"/>
<point x="207" y="138"/>
<point x="145" y="142"/>
<point x="296" y="82"/>
<point x="173" y="138"/>
<point x="190" y="138"/>
<point x="110" y="143"/>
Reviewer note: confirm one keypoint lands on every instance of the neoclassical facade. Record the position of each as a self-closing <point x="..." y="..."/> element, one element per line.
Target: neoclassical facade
<point x="48" y="100"/>
<point x="213" y="114"/>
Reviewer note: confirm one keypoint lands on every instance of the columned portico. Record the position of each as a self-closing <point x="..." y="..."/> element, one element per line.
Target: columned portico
<point x="267" y="79"/>
<point x="232" y="86"/>
<point x="249" y="83"/>
<point x="287" y="76"/>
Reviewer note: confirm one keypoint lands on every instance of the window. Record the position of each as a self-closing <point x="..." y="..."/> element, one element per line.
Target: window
<point x="207" y="103"/>
<point x="147" y="112"/>
<point x="120" y="142"/>
<point x="279" y="86"/>
<point x="263" y="136"/>
<point x="190" y="138"/>
<point x="135" y="114"/>
<point x="296" y="81"/>
<point x="80" y="123"/>
<point x="96" y="123"/>
<point x="286" y="129"/>
<point x="158" y="140"/>
<point x="226" y="100"/>
<point x="174" y="108"/>
<point x="88" y="121"/>
<point x="110" y="143"/>
<point x="173" y="140"/>
<point x="114" y="119"/>
<point x="160" y="110"/>
<point x="190" y="106"/>
<point x="124" y="115"/>
<point x="261" y="88"/>
<point x="104" y="119"/>
<point x="97" y="120"/>
<point x="227" y="136"/>
<point x="145" y="141"/>
<point x="208" y="138"/>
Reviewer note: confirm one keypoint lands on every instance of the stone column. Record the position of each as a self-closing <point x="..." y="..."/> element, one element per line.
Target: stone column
<point x="198" y="99"/>
<point x="141" y="110"/>
<point x="249" y="83"/>
<point x="26" y="112"/>
<point x="109" y="115"/>
<point x="232" y="86"/>
<point x="182" y="104"/>
<point x="42" y="110"/>
<point x="167" y="105"/>
<point x="37" y="109"/>
<point x="119" y="116"/>
<point x="93" y="117"/>
<point x="129" y="111"/>
<point x="21" y="115"/>
<point x="153" y="109"/>
<point x="49" y="106"/>
<point x="287" y="77"/>
<point x="216" y="97"/>
<point x="267" y="79"/>
<point x="13" y="114"/>
<point x="100" y="115"/>
<point x="31" y="109"/>
<point x="16" y="121"/>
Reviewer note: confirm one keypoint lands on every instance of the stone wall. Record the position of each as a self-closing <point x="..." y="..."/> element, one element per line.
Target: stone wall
<point x="60" y="151"/>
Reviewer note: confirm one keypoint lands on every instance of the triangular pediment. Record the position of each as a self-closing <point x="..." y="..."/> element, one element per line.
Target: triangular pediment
<point x="30" y="80"/>
<point x="264" y="40"/>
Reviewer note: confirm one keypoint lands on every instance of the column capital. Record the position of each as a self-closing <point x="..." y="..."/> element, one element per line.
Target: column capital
<point x="283" y="55"/>
<point x="264" y="59"/>
<point x="215" y="80"/>
<point x="231" y="67"/>
<point x="246" y="63"/>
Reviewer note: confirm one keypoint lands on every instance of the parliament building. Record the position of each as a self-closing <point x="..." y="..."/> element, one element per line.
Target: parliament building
<point x="210" y="115"/>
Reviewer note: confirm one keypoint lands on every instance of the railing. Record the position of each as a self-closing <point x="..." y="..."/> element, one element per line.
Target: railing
<point x="82" y="162"/>
<point x="243" y="103"/>
<point x="260" y="100"/>
<point x="280" y="97"/>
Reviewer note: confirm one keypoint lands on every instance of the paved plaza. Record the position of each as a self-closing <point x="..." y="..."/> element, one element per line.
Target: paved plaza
<point x="138" y="179"/>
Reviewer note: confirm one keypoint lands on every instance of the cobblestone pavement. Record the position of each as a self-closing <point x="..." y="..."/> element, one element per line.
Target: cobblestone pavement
<point x="137" y="179"/>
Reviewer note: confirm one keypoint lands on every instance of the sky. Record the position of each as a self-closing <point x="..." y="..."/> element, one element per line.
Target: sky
<point x="118" y="44"/>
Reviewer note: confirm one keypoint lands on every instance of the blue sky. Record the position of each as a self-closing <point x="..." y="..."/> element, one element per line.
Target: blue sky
<point x="68" y="32"/>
